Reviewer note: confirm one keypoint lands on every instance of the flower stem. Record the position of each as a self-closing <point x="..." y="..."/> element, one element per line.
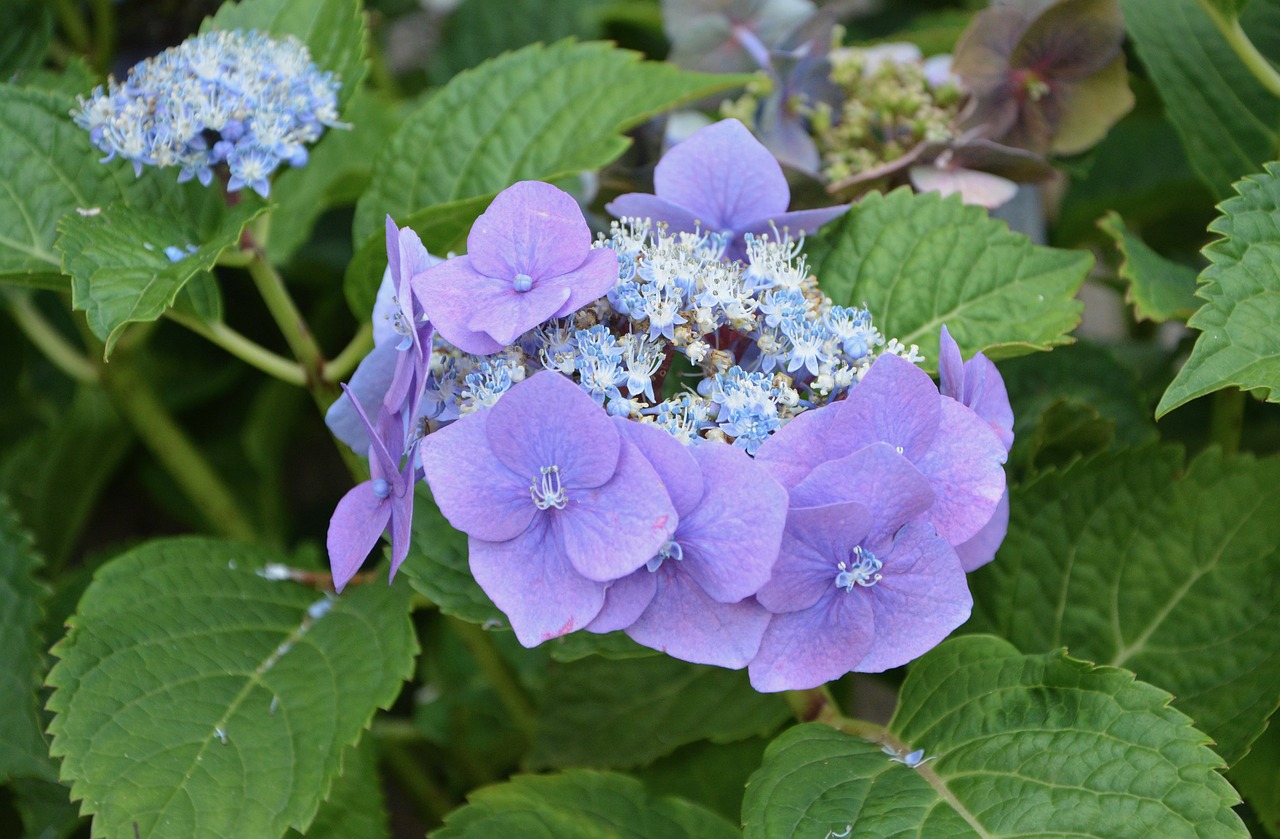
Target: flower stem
<point x="248" y="351"/>
<point x="1244" y="48"/>
<point x="287" y="317"/>
<point x="344" y="362"/>
<point x="73" y="23"/>
<point x="817" y="705"/>
<point x="499" y="674"/>
<point x="1226" y="419"/>
<point x="50" y="341"/>
<point x="141" y="407"/>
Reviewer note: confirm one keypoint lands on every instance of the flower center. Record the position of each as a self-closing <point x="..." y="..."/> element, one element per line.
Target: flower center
<point x="860" y="570"/>
<point x="546" y="490"/>
<point x="671" y="550"/>
<point x="381" y="488"/>
<point x="522" y="283"/>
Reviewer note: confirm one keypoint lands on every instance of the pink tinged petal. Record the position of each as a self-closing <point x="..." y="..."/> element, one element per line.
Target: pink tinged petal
<point x="815" y="541"/>
<point x="369" y="384"/>
<point x="357" y="522"/>
<point x="888" y="484"/>
<point x="546" y="421"/>
<point x="685" y="622"/>
<point x="977" y="384"/>
<point x="981" y="189"/>
<point x="896" y="403"/>
<point x="475" y="492"/>
<point x="641" y="205"/>
<point x="921" y="598"/>
<point x="982" y="548"/>
<point x="451" y="293"/>
<point x="589" y="282"/>
<point x="532" y="581"/>
<point x="508" y="314"/>
<point x="950" y="366"/>
<point x="965" y="468"/>
<point x="530" y="228"/>
<point x="611" y="530"/>
<point x="794" y="450"/>
<point x="808" y="648"/>
<point x="723" y="175"/>
<point x="730" y="541"/>
<point x="625" y="600"/>
<point x="673" y="461"/>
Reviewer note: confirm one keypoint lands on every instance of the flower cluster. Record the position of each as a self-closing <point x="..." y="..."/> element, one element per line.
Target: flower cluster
<point x="232" y="97"/>
<point x="641" y="434"/>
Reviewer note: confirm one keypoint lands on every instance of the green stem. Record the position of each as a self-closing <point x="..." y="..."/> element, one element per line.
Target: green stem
<point x="244" y="349"/>
<point x="1244" y="49"/>
<point x="287" y="317"/>
<point x="1226" y="419"/>
<point x="141" y="407"/>
<point x="351" y="355"/>
<point x="50" y="341"/>
<point x="499" y="674"/>
<point x="817" y="705"/>
<point x="73" y="23"/>
<point x="104" y="34"/>
<point x="432" y="802"/>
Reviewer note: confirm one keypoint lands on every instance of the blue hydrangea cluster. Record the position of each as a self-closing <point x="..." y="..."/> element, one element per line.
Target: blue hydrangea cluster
<point x="239" y="98"/>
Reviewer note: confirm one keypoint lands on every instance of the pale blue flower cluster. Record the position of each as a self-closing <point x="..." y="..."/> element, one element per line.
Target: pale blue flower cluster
<point x="239" y="98"/>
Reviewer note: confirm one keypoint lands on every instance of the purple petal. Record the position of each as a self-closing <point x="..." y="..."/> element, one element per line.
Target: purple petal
<point x="808" y="648"/>
<point x="532" y="581"/>
<point x="475" y="492"/>
<point x="384" y="306"/>
<point x="642" y="205"/>
<point x="589" y="282"/>
<point x="673" y="461"/>
<point x="547" y="420"/>
<point x="625" y="600"/>
<point x="896" y="403"/>
<point x="724" y="176"/>
<point x="685" y="622"/>
<point x="382" y="463"/>
<point x="794" y="450"/>
<point x="965" y="468"/>
<point x="611" y="530"/>
<point x="920" y="599"/>
<point x="402" y="518"/>
<point x="816" y="539"/>
<point x="451" y="293"/>
<point x="982" y="548"/>
<point x="357" y="522"/>
<point x="798" y="222"/>
<point x="507" y="314"/>
<point x="369" y="384"/>
<point x="730" y="540"/>
<point x="530" y="228"/>
<point x="879" y="478"/>
<point x="950" y="366"/>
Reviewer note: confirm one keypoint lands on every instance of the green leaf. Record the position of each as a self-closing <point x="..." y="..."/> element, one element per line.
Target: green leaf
<point x="541" y="113"/>
<point x="1227" y="120"/>
<point x="1068" y="429"/>
<point x="1159" y="289"/>
<point x="437" y="566"/>
<point x="354" y="808"/>
<point x="921" y="261"/>
<point x="23" y="751"/>
<point x="1132" y="560"/>
<point x="1229" y="10"/>
<point x="25" y="37"/>
<point x="1238" y="344"/>
<point x="577" y="645"/>
<point x="46" y="808"/>
<point x="119" y="271"/>
<point x="200" y="298"/>
<point x="711" y="774"/>
<point x="579" y="805"/>
<point x="1257" y="776"/>
<point x="333" y="31"/>
<point x="196" y="698"/>
<point x="481" y="29"/>
<point x="1025" y="745"/>
<point x="619" y="714"/>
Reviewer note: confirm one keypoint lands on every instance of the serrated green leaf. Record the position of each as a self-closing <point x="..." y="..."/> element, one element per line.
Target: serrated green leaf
<point x="333" y="31"/>
<point x="200" y="298"/>
<point x="119" y="271"/>
<point x="711" y="774"/>
<point x="541" y="113"/>
<point x="23" y="751"/>
<point x="354" y="808"/>
<point x="1227" y="119"/>
<point x="481" y="29"/>
<point x="579" y="805"/>
<point x="1068" y="429"/>
<point x="196" y="698"/>
<point x="921" y="261"/>
<point x="1022" y="745"/>
<point x="1238" y="344"/>
<point x="437" y="566"/>
<point x="619" y="714"/>
<point x="1132" y="561"/>
<point x="1159" y="289"/>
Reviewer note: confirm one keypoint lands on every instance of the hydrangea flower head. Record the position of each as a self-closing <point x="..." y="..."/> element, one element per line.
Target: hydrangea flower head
<point x="721" y="179"/>
<point x="557" y="503"/>
<point x="529" y="259"/>
<point x="239" y="98"/>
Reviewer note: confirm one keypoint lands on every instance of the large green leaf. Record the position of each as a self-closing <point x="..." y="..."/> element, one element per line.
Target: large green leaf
<point x="1227" y="120"/>
<point x="1158" y="288"/>
<point x="481" y="29"/>
<point x="921" y="261"/>
<point x="579" y="805"/>
<point x="333" y="31"/>
<point x="25" y="37"/>
<point x="619" y="714"/>
<point x="1025" y="745"/>
<point x="1239" y="344"/>
<point x="197" y="698"/>
<point x="23" y="751"/>
<point x="119" y="271"/>
<point x="354" y="808"/>
<point x="1135" y="561"/>
<point x="540" y="113"/>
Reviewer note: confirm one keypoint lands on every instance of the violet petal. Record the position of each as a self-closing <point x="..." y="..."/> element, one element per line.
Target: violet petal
<point x="685" y="622"/>
<point x="530" y="228"/>
<point x="808" y="648"/>
<point x="357" y="522"/>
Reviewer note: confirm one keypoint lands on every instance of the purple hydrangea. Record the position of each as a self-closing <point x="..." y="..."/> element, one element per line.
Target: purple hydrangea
<point x="556" y="501"/>
<point x="723" y="180"/>
<point x="529" y="259"/>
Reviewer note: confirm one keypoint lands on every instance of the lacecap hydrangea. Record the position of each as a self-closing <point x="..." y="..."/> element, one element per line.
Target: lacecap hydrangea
<point x="640" y="434"/>
<point x="225" y="97"/>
